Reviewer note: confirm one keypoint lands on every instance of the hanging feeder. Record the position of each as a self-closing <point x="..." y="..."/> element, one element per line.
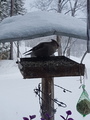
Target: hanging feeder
<point x="83" y="104"/>
<point x="55" y="66"/>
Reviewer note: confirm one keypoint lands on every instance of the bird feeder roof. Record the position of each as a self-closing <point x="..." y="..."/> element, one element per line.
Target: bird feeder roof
<point x="40" y="24"/>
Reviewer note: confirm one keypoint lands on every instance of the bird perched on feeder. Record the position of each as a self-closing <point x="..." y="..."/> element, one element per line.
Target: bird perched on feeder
<point x="43" y="49"/>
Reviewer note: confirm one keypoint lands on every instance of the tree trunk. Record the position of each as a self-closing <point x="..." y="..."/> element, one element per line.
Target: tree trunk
<point x="58" y="38"/>
<point x="0" y="10"/>
<point x="11" y="43"/>
<point x="88" y="26"/>
<point x="68" y="47"/>
<point x="11" y="50"/>
<point x="12" y="8"/>
<point x="17" y="49"/>
<point x="73" y="11"/>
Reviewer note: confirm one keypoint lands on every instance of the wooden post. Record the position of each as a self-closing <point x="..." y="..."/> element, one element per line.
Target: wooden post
<point x="47" y="69"/>
<point x="48" y="96"/>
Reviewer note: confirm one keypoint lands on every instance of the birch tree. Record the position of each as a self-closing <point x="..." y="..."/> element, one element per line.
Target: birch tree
<point x="75" y="6"/>
<point x="4" y="48"/>
<point x="69" y="7"/>
<point x="11" y="43"/>
<point x="19" y="9"/>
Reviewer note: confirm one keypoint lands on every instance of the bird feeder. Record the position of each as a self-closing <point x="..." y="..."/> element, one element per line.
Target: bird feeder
<point x="55" y="66"/>
<point x="47" y="68"/>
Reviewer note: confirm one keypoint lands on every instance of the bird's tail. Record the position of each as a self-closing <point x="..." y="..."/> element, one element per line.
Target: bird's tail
<point x="27" y="52"/>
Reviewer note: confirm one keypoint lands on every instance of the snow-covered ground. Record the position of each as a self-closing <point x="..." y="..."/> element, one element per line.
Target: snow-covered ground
<point x="17" y="98"/>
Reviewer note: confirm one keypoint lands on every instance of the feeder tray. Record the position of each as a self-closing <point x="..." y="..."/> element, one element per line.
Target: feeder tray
<point x="54" y="66"/>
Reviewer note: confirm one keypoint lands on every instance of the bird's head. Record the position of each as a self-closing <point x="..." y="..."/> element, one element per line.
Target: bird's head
<point x="55" y="42"/>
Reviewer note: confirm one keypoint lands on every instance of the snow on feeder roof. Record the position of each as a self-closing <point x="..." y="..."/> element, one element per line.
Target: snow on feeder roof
<point x="40" y="24"/>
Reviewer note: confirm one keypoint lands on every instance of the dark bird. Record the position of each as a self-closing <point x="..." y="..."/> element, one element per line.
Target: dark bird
<point x="43" y="49"/>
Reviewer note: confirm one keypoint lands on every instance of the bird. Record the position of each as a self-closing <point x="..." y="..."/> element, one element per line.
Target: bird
<point x="43" y="49"/>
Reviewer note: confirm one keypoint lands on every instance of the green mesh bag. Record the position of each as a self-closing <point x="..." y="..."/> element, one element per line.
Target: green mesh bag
<point x="83" y="104"/>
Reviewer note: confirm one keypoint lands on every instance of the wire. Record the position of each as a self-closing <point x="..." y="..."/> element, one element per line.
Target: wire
<point x="83" y="57"/>
<point x="64" y="90"/>
<point x="38" y="91"/>
<point x="42" y="101"/>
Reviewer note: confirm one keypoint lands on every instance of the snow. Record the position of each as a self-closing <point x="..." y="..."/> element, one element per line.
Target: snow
<point x="17" y="98"/>
<point x="38" y="24"/>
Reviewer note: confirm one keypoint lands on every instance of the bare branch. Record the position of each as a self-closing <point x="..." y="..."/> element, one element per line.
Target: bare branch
<point x="67" y="12"/>
<point x="66" y="46"/>
<point x="64" y="3"/>
<point x="70" y="4"/>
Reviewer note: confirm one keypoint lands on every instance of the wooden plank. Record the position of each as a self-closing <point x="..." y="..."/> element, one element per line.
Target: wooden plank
<point x="56" y="66"/>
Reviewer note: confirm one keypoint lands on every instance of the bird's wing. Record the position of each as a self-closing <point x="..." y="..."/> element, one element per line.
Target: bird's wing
<point x="39" y="46"/>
